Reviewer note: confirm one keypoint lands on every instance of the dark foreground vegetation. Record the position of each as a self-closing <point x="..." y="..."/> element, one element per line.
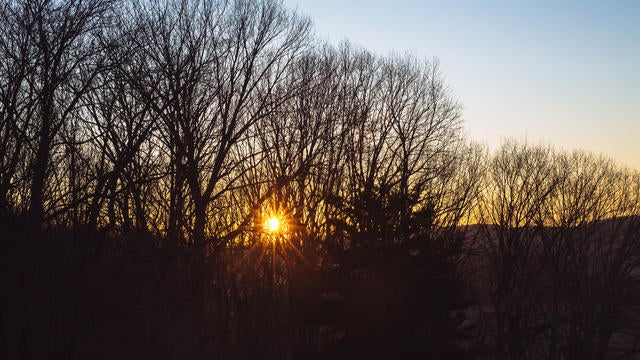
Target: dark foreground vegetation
<point x="143" y="145"/>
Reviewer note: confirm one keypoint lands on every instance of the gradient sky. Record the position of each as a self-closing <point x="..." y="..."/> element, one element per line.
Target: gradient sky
<point x="565" y="73"/>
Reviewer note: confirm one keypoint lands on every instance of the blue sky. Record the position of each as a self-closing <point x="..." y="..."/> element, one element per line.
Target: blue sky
<point x="565" y="73"/>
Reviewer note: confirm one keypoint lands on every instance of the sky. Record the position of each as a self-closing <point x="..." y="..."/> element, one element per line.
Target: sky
<point x="565" y="73"/>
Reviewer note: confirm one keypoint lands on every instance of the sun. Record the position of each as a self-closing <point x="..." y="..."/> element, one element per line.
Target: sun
<point x="272" y="224"/>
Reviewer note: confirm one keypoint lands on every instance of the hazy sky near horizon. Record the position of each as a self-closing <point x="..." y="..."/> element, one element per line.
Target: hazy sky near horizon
<point x="565" y="73"/>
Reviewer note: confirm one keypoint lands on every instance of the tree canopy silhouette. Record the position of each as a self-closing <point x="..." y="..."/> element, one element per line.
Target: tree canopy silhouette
<point x="144" y="144"/>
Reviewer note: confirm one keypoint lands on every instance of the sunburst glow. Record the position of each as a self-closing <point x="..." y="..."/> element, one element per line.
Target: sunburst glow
<point x="272" y="224"/>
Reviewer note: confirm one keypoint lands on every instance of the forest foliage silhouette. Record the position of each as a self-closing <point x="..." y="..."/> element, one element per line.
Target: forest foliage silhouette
<point x="208" y="179"/>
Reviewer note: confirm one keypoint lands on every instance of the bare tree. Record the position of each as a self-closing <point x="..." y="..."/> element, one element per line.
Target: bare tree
<point x="64" y="71"/>
<point x="16" y="100"/>
<point x="211" y="72"/>
<point x="520" y="180"/>
<point x="591" y="252"/>
<point x="559" y="239"/>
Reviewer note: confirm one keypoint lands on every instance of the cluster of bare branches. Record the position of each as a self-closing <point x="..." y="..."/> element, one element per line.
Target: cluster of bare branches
<point x="560" y="250"/>
<point x="179" y="125"/>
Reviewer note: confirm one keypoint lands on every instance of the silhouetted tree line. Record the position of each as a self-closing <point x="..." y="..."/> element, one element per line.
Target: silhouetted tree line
<point x="143" y="144"/>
